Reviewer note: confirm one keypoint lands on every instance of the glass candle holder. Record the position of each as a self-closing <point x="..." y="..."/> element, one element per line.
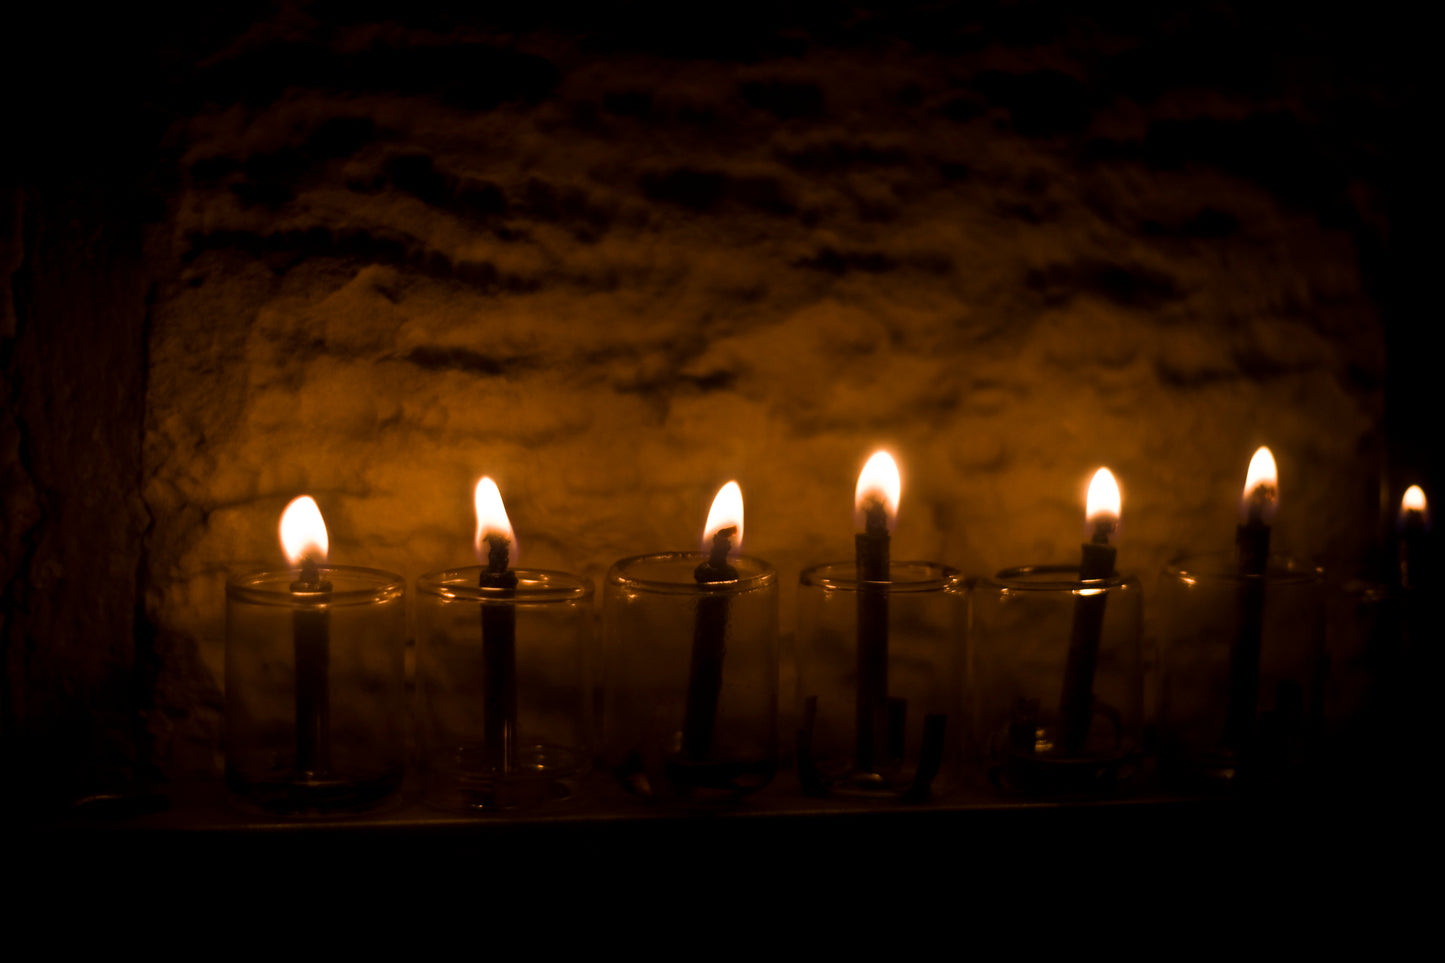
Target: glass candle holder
<point x="1240" y="669"/>
<point x="1056" y="680"/>
<point x="691" y="679"/>
<point x="880" y="717"/>
<point x="503" y="692"/>
<point x="315" y="690"/>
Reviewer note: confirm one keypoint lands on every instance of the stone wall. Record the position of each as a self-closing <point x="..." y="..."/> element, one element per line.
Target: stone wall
<point x="614" y="263"/>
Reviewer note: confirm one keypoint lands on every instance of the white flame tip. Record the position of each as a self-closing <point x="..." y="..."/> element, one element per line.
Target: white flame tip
<point x="727" y="509"/>
<point x="1413" y="500"/>
<point x="880" y="478"/>
<point x="1103" y="497"/>
<point x="303" y="531"/>
<point x="491" y="516"/>
<point x="1260" y="500"/>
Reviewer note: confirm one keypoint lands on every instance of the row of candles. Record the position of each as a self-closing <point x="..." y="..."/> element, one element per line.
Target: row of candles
<point x="876" y="720"/>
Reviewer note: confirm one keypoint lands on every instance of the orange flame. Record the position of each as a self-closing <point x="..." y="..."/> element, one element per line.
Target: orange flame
<point x="1261" y="490"/>
<point x="1414" y="500"/>
<point x="878" y="484"/>
<point x="303" y="531"/>
<point x="727" y="509"/>
<point x="492" y="518"/>
<point x="1103" y="500"/>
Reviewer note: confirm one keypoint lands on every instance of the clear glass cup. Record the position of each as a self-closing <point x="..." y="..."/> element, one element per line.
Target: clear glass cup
<point x="315" y="690"/>
<point x="888" y="724"/>
<point x="690" y="684"/>
<point x="1056" y="680"/>
<point x="1241" y="670"/>
<point x="503" y="691"/>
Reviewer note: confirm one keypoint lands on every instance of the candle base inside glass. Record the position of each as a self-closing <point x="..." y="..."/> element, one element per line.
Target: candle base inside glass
<point x="291" y="794"/>
<point x="1019" y="768"/>
<point x="542" y="752"/>
<point x="1056" y="681"/>
<point x="691" y="679"/>
<point x="895" y="733"/>
<point x="281" y="760"/>
<point x="543" y="775"/>
<point x="1204" y="739"/>
<point x="716" y="781"/>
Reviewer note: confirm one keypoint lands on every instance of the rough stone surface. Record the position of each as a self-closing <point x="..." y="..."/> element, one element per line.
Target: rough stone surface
<point x="613" y="265"/>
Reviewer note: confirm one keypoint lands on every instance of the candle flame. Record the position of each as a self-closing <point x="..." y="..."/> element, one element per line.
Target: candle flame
<point x="1103" y="500"/>
<point x="492" y="519"/>
<point x="303" y="531"/>
<point x="1414" y="500"/>
<point x="878" y="484"/>
<point x="727" y="510"/>
<point x="1261" y="490"/>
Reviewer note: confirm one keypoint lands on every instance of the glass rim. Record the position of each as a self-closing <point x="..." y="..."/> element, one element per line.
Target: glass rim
<point x="253" y="587"/>
<point x="816" y="576"/>
<point x="1221" y="567"/>
<point x="764" y="575"/>
<point x="1026" y="578"/>
<point x="533" y="585"/>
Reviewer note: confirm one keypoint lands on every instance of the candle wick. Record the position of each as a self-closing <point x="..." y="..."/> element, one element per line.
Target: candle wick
<point x="716" y="568"/>
<point x="310" y="580"/>
<point x="498" y="573"/>
<point x="875" y="514"/>
<point x="1104" y="528"/>
<point x="1260" y="497"/>
<point x="499" y="553"/>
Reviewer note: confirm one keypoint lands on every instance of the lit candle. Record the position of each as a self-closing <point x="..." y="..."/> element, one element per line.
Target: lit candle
<point x="1414" y="530"/>
<point x="1076" y="707"/>
<point x="497" y="550"/>
<point x="875" y="504"/>
<point x="721" y="536"/>
<point x="1257" y="508"/>
<point x="303" y="539"/>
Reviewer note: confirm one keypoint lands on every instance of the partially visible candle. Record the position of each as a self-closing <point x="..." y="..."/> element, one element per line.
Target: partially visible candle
<point x="1257" y="509"/>
<point x="1076" y="706"/>
<point x="721" y="536"/>
<point x="876" y="501"/>
<point x="304" y="540"/>
<point x="496" y="548"/>
<point x="1414" y="530"/>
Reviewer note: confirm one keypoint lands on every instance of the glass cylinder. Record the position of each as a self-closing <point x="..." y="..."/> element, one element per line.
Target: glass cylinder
<point x="691" y="678"/>
<point x="503" y="691"/>
<point x="1240" y="669"/>
<point x="1056" y="679"/>
<point x="880" y="714"/>
<point x="315" y="690"/>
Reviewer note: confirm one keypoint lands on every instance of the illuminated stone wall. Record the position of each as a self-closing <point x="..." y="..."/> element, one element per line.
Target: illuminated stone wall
<point x="614" y="265"/>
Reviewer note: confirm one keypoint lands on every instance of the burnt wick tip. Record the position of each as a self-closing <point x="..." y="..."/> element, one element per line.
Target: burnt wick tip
<point x="716" y="568"/>
<point x="499" y="553"/>
<point x="310" y="580"/>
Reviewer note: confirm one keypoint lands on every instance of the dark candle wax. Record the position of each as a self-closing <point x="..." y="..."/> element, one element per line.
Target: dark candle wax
<point x="871" y="547"/>
<point x="709" y="643"/>
<point x="1076" y="706"/>
<point x="499" y="658"/>
<point x="1252" y="548"/>
<point x="1412" y="551"/>
<point x="311" y="637"/>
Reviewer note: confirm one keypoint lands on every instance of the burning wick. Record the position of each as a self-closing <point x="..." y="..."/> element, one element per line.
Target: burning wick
<point x="724" y="532"/>
<point x="1414" y="534"/>
<point x="304" y="540"/>
<point x="499" y="628"/>
<point x="1257" y="509"/>
<point x="876" y="499"/>
<point x="1076" y="706"/>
